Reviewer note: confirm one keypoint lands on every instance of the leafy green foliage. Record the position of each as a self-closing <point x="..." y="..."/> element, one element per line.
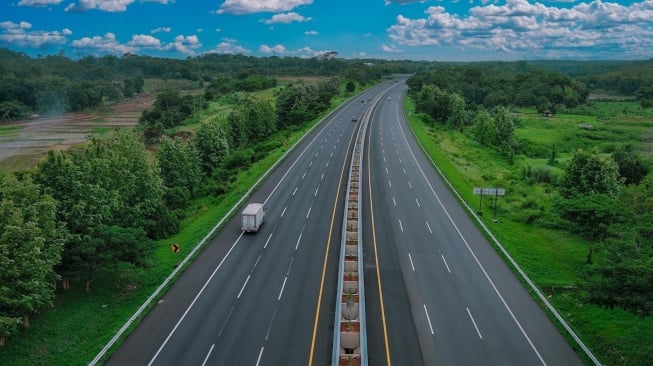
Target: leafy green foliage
<point x="212" y="143"/>
<point x="625" y="279"/>
<point x="180" y="166"/>
<point x="112" y="184"/>
<point x="30" y="248"/>
<point x="590" y="173"/>
<point x="631" y="166"/>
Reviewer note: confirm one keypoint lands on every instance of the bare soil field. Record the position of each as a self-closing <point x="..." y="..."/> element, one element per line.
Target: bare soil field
<point x="24" y="143"/>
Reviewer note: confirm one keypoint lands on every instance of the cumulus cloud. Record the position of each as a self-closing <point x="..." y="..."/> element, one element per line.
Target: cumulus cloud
<point x="144" y="41"/>
<point x="19" y="34"/>
<point x="280" y="50"/>
<point x="112" y="6"/>
<point x="39" y="2"/>
<point x="287" y="18"/>
<point x="404" y="2"/>
<point x="103" y="44"/>
<point x="161" y="29"/>
<point x="274" y="50"/>
<point x="230" y="47"/>
<point x="390" y="48"/>
<point x="239" y="7"/>
<point x="590" y="30"/>
<point x="184" y="44"/>
<point x="104" y="5"/>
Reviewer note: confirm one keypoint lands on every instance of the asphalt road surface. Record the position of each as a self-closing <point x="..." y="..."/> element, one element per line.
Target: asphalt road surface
<point x="444" y="295"/>
<point x="265" y="298"/>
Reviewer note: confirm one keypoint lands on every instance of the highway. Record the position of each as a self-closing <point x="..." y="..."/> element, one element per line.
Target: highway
<point x="438" y="293"/>
<point x="265" y="298"/>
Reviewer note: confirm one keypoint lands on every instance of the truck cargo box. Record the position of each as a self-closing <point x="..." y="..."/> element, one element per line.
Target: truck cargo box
<point x="252" y="217"/>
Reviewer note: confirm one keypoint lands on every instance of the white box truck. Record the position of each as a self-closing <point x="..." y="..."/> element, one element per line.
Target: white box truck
<point x="252" y="217"/>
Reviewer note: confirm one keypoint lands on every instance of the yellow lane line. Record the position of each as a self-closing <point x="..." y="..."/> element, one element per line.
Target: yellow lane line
<point x="376" y="253"/>
<point x="326" y="255"/>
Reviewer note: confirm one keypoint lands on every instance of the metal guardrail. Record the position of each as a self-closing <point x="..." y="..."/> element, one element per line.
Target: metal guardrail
<point x="350" y="334"/>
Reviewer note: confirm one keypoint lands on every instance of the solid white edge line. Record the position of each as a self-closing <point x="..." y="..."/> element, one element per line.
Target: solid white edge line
<point x="474" y="322"/>
<point x="208" y="355"/>
<point x="195" y="300"/>
<point x="428" y="319"/>
<point x="487" y="276"/>
<point x="523" y="274"/>
<point x="191" y="254"/>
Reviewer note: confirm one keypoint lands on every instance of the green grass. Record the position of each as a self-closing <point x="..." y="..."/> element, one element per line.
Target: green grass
<point x="9" y="130"/>
<point x="553" y="259"/>
<point x="80" y="323"/>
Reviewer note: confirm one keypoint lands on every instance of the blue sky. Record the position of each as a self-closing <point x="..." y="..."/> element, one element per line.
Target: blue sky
<point x="440" y="30"/>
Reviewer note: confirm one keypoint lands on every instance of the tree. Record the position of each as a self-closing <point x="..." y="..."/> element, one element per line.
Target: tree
<point x="30" y="248"/>
<point x="112" y="183"/>
<point x="631" y="166"/>
<point x="590" y="216"/>
<point x="484" y="130"/>
<point x="505" y="133"/>
<point x="180" y="164"/>
<point x="625" y="277"/>
<point x="590" y="173"/>
<point x="211" y="142"/>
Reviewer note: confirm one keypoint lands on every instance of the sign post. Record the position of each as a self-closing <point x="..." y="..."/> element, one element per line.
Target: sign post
<point x="489" y="191"/>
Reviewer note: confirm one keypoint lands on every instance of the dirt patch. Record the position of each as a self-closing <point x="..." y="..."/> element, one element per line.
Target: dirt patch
<point x="25" y="142"/>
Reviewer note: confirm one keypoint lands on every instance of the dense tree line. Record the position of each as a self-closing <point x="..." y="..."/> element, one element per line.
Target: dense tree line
<point x="483" y="86"/>
<point x="55" y="83"/>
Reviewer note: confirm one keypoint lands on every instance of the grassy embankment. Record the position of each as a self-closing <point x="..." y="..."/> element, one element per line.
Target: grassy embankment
<point x="80" y="323"/>
<point x="553" y="259"/>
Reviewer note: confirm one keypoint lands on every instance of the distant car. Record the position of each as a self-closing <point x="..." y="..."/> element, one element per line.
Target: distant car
<point x="362" y="100"/>
<point x="354" y="119"/>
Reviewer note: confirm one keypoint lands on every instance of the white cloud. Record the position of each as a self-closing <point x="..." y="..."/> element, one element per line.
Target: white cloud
<point x="229" y="47"/>
<point x="390" y="48"/>
<point x="104" y="44"/>
<point x="287" y="18"/>
<point x="184" y="44"/>
<point x="12" y="25"/>
<point x="280" y="50"/>
<point x="161" y="29"/>
<point x="18" y="34"/>
<point x="38" y="2"/>
<point x="274" y="50"/>
<point x="595" y="30"/>
<point x="311" y="33"/>
<point x="104" y="5"/>
<point x="404" y="2"/>
<point x="145" y="41"/>
<point x="239" y="7"/>
<point x="112" y="6"/>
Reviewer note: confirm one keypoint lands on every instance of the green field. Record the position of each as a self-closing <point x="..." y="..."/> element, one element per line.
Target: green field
<point x="552" y="258"/>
